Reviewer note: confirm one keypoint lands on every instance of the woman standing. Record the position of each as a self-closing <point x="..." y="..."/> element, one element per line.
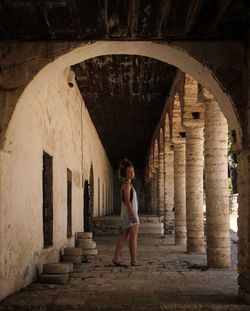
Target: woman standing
<point x="129" y="213"/>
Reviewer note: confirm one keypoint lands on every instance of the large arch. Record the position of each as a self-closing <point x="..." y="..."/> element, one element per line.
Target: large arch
<point x="173" y="55"/>
<point x="161" y="51"/>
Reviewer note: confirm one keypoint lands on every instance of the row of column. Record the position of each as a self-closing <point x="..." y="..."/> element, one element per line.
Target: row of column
<point x="177" y="181"/>
<point x="159" y="172"/>
<point x="188" y="176"/>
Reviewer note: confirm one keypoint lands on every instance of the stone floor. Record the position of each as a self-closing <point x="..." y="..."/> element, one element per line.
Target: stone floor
<point x="169" y="279"/>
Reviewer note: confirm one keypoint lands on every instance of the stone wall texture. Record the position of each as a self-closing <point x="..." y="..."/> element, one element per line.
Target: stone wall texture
<point x="53" y="118"/>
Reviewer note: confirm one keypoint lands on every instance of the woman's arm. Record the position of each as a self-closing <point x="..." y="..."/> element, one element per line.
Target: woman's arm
<point x="126" y="190"/>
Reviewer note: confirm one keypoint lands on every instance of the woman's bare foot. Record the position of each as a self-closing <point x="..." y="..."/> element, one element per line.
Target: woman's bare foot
<point x="119" y="263"/>
<point x="135" y="263"/>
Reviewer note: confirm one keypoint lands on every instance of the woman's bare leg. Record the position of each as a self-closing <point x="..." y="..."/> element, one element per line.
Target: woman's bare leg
<point x="119" y="244"/>
<point x="133" y="233"/>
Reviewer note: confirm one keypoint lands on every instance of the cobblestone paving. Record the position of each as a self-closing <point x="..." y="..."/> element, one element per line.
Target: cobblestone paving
<point x="168" y="279"/>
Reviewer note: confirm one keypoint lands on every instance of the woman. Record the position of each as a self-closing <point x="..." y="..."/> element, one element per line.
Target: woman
<point x="129" y="213"/>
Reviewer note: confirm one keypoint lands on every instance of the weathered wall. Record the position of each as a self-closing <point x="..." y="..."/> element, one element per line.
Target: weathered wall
<point x="52" y="118"/>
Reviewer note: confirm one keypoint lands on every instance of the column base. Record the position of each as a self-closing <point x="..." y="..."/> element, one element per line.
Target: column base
<point x="196" y="249"/>
<point x="195" y="245"/>
<point x="244" y="283"/>
<point x="180" y="241"/>
<point x="218" y="258"/>
<point x="245" y="296"/>
<point x="169" y="229"/>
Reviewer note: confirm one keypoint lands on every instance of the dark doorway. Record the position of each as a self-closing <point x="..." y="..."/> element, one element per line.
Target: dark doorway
<point x="86" y="207"/>
<point x="69" y="203"/>
<point x="47" y="200"/>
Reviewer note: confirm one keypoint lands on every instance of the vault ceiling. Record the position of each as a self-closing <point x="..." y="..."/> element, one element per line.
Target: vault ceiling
<point x="122" y="19"/>
<point x="125" y="96"/>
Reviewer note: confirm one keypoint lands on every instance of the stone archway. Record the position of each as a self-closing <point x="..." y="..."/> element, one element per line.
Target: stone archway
<point x="164" y="52"/>
<point x="169" y="53"/>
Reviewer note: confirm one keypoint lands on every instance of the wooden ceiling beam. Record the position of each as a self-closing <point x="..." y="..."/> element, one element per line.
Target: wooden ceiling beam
<point x="223" y="6"/>
<point x="165" y="10"/>
<point x="75" y="17"/>
<point x="193" y="14"/>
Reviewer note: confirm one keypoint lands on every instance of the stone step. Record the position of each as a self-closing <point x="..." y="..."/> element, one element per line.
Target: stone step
<point x="110" y="225"/>
<point x="151" y="219"/>
<point x="151" y="231"/>
<point x="153" y="234"/>
<point x="150" y="225"/>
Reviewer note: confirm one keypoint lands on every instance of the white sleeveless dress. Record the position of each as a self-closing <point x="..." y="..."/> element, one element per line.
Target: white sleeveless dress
<point x="125" y="221"/>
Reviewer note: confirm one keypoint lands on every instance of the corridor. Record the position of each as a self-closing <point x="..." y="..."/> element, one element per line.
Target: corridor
<point x="168" y="279"/>
<point x="164" y="84"/>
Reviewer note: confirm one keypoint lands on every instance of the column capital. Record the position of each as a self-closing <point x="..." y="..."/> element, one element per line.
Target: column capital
<point x="179" y="140"/>
<point x="205" y="95"/>
<point x="193" y="108"/>
<point x="192" y="124"/>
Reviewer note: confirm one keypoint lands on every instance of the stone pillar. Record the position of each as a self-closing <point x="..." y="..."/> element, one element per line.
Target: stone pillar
<point x="194" y="189"/>
<point x="244" y="224"/>
<point x="154" y="192"/>
<point x="180" y="193"/>
<point x="146" y="183"/>
<point x="193" y="121"/>
<point x="217" y="196"/>
<point x="161" y="183"/>
<point x="168" y="188"/>
<point x="149" y="197"/>
<point x="244" y="197"/>
<point x="150" y="185"/>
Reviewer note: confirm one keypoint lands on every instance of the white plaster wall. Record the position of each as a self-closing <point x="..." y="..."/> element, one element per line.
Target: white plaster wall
<point x="51" y="118"/>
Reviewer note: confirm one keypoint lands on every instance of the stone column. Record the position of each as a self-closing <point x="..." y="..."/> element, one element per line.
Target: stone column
<point x="180" y="193"/>
<point x="244" y="197"/>
<point x="150" y="185"/>
<point x="244" y="224"/>
<point x="146" y="183"/>
<point x="193" y="121"/>
<point x="154" y="192"/>
<point x="168" y="188"/>
<point x="194" y="189"/>
<point x="217" y="196"/>
<point x="161" y="183"/>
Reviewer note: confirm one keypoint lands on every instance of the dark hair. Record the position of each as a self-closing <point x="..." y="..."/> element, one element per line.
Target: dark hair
<point x="123" y="165"/>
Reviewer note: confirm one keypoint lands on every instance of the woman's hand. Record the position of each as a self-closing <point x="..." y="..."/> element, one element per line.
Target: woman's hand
<point x="133" y="218"/>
